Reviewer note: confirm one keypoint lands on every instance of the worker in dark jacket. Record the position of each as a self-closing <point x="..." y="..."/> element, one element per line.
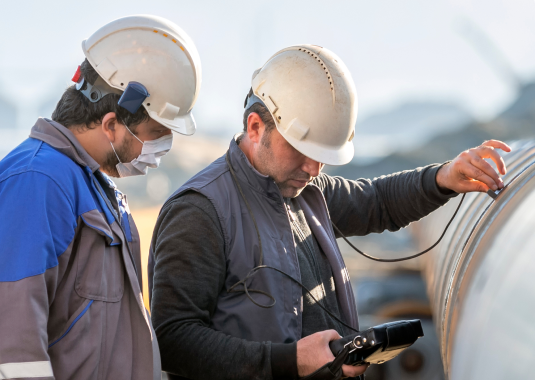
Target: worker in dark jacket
<point x="266" y="203"/>
<point x="70" y="275"/>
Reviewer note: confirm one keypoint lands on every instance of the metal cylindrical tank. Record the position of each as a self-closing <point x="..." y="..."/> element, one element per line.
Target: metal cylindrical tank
<point x="481" y="278"/>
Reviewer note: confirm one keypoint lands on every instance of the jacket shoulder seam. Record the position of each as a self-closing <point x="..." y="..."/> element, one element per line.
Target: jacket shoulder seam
<point x="26" y="170"/>
<point x="37" y="149"/>
<point x="212" y="180"/>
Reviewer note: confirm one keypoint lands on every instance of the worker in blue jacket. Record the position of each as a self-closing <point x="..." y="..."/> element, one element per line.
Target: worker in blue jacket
<point x="70" y="274"/>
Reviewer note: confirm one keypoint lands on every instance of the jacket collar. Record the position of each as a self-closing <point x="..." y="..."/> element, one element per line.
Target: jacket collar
<point x="246" y="173"/>
<point x="63" y="140"/>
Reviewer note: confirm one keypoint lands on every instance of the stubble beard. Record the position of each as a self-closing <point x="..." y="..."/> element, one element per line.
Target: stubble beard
<point x="266" y="164"/>
<point x="110" y="163"/>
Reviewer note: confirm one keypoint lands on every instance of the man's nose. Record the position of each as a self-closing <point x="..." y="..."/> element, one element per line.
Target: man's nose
<point x="312" y="167"/>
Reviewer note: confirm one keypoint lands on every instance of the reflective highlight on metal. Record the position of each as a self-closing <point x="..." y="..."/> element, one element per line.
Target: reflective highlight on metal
<point x="481" y="278"/>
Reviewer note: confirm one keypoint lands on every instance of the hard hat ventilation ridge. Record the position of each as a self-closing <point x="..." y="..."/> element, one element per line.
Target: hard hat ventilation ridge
<point x="297" y="84"/>
<point x="323" y="66"/>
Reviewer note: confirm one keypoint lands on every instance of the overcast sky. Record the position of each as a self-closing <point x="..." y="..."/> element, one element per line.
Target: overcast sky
<point x="396" y="50"/>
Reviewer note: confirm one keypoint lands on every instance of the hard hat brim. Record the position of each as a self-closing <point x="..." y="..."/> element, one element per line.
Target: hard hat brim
<point x="185" y="125"/>
<point x="324" y="154"/>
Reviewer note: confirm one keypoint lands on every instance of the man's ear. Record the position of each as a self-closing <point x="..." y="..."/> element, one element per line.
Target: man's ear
<point x="109" y="126"/>
<point x="255" y="127"/>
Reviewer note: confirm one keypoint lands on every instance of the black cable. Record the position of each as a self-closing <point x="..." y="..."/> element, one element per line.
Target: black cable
<point x="255" y="270"/>
<point x="402" y="258"/>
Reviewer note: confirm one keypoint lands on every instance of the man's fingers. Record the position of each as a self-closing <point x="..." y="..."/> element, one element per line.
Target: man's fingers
<point x="330" y="335"/>
<point x="497" y="144"/>
<point x="486" y="168"/>
<point x="467" y="186"/>
<point x="471" y="172"/>
<point x="354" y="371"/>
<point x="489" y="152"/>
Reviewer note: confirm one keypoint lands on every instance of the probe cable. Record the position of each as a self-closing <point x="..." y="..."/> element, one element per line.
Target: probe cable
<point x="401" y="258"/>
<point x="254" y="271"/>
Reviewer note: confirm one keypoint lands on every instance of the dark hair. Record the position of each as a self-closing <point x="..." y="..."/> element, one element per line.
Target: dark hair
<point x="74" y="109"/>
<point x="262" y="111"/>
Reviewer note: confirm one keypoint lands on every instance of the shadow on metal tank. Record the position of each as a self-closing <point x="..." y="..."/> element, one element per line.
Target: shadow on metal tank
<point x="481" y="278"/>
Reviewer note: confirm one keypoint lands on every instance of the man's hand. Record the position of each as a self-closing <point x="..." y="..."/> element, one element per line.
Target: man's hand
<point x="470" y="172"/>
<point x="313" y="352"/>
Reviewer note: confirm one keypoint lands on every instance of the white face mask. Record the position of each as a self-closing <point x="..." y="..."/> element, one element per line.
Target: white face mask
<point x="150" y="157"/>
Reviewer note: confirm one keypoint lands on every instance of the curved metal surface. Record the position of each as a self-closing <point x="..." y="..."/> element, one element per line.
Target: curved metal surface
<point x="481" y="278"/>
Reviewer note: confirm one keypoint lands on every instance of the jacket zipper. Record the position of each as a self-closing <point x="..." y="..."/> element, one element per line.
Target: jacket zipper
<point x="308" y="248"/>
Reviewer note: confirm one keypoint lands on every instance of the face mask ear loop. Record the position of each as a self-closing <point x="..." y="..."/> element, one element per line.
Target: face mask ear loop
<point x="116" y="155"/>
<point x="128" y="129"/>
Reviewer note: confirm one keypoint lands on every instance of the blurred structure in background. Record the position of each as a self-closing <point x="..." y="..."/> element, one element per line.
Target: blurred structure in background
<point x="392" y="295"/>
<point x="433" y="78"/>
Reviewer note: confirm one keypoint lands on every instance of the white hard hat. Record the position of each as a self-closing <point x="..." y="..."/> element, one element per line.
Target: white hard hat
<point x="155" y="53"/>
<point x="310" y="94"/>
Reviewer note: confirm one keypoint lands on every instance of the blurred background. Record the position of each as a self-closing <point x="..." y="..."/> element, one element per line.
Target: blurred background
<point x="433" y="78"/>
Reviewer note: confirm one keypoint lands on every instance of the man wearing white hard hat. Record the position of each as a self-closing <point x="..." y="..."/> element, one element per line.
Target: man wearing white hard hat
<point x="71" y="305"/>
<point x="233" y="246"/>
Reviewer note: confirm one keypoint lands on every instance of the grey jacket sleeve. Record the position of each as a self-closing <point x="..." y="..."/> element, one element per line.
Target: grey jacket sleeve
<point x="29" y="271"/>
<point x="359" y="207"/>
<point x="189" y="274"/>
<point x="23" y="327"/>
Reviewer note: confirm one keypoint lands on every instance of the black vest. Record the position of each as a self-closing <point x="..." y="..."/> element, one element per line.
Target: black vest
<point x="235" y="314"/>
